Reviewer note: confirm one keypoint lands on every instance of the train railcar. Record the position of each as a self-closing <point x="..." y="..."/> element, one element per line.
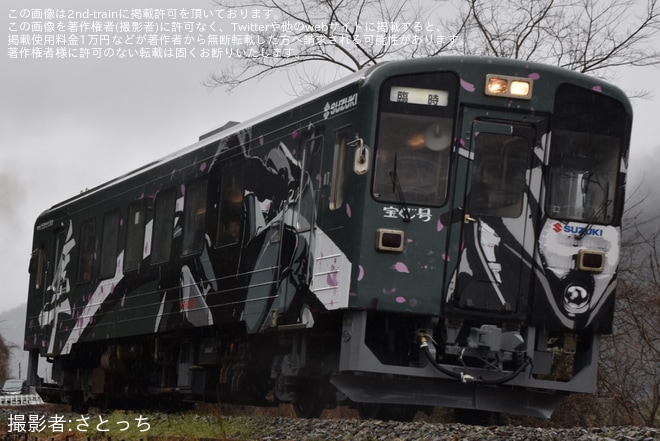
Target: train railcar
<point x="431" y="232"/>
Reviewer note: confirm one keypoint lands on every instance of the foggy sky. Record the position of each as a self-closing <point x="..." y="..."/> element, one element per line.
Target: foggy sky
<point x="70" y="125"/>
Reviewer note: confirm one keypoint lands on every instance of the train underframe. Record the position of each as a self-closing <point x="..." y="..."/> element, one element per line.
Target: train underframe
<point x="389" y="366"/>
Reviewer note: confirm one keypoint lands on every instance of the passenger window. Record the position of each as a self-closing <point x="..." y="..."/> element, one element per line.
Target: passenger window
<point x="194" y="217"/>
<point x="229" y="229"/>
<point x="86" y="257"/>
<point x="37" y="266"/>
<point x="137" y="212"/>
<point x="161" y="243"/>
<point x="338" y="170"/>
<point x="109" y="244"/>
<point x="311" y="167"/>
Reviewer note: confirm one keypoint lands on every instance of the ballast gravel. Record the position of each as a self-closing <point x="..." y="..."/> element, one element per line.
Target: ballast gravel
<point x="290" y="429"/>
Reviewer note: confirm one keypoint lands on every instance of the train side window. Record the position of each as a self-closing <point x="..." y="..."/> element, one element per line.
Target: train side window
<point x="311" y="167"/>
<point x="55" y="276"/>
<point x="37" y="266"/>
<point x="137" y="213"/>
<point x="109" y="242"/>
<point x="194" y="213"/>
<point x="229" y="230"/>
<point x="161" y="242"/>
<point x="87" y="245"/>
<point x="338" y="171"/>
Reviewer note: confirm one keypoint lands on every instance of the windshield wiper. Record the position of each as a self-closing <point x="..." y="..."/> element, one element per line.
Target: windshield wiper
<point x="396" y="188"/>
<point x="602" y="208"/>
<point x="592" y="220"/>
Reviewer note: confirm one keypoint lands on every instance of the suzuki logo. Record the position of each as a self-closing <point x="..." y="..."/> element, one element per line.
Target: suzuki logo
<point x="558" y="227"/>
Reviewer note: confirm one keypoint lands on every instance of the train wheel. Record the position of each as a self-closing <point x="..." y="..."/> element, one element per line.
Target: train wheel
<point x="308" y="402"/>
<point x="475" y="417"/>
<point x="393" y="412"/>
<point x="78" y="402"/>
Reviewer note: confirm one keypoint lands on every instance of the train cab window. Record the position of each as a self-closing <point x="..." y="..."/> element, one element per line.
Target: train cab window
<point x="87" y="245"/>
<point x="137" y="213"/>
<point x="413" y="144"/>
<point x="585" y="150"/>
<point x="163" y="230"/>
<point x="194" y="214"/>
<point x="109" y="242"/>
<point x="230" y="219"/>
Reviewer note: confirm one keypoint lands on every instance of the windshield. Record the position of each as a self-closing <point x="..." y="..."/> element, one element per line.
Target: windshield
<point x="583" y="175"/>
<point x="414" y="138"/>
<point x="405" y="163"/>
<point x="585" y="154"/>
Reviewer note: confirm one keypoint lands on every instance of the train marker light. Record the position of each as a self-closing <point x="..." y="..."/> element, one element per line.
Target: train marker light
<point x="506" y="86"/>
<point x="591" y="261"/>
<point x="389" y="240"/>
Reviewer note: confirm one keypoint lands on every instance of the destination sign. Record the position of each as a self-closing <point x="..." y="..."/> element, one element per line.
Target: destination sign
<point x="415" y="95"/>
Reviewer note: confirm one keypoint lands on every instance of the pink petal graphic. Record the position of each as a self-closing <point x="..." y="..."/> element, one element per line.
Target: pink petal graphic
<point x="467" y="86"/>
<point x="400" y="299"/>
<point x="534" y="76"/>
<point x="400" y="267"/>
<point x="331" y="280"/>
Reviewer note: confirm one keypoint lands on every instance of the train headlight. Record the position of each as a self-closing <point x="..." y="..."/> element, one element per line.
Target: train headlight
<point x="497" y="86"/>
<point x="520" y="88"/>
<point x="507" y="86"/>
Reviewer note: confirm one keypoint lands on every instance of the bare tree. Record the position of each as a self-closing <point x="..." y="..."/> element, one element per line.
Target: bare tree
<point x="345" y="35"/>
<point x="582" y="35"/>
<point x="299" y="36"/>
<point x="5" y="355"/>
<point x="630" y="358"/>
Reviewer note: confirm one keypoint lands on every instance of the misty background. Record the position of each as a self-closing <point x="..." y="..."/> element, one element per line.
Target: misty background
<point x="69" y="125"/>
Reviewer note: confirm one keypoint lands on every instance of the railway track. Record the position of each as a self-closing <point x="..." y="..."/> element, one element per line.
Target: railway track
<point x="240" y="423"/>
<point x="20" y="400"/>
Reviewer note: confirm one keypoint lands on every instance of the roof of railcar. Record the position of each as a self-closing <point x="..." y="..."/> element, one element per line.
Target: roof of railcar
<point x="377" y="72"/>
<point x="218" y="134"/>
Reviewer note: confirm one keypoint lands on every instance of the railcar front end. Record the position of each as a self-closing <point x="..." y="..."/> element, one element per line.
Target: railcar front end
<point x="490" y="237"/>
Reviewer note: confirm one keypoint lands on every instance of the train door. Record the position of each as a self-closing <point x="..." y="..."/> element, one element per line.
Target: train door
<point x="494" y="267"/>
<point x="57" y="287"/>
<point x="280" y="269"/>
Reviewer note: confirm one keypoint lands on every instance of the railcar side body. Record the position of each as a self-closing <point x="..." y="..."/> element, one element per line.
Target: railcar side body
<point x="433" y="232"/>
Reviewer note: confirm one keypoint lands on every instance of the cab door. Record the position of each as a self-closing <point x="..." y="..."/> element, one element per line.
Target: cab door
<point x="495" y="263"/>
